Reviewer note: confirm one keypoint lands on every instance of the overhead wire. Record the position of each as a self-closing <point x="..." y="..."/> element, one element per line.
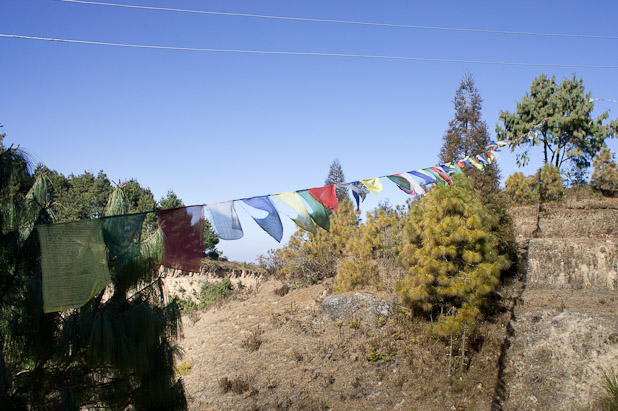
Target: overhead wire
<point x="363" y="23"/>
<point x="303" y="53"/>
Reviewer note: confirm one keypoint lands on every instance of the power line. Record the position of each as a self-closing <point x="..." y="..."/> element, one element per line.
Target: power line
<point x="363" y="23"/>
<point x="302" y="53"/>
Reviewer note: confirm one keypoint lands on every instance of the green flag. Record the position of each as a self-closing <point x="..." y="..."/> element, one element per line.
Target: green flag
<point x="74" y="263"/>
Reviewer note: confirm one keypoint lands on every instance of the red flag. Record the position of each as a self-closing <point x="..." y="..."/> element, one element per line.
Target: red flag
<point x="326" y="196"/>
<point x="183" y="237"/>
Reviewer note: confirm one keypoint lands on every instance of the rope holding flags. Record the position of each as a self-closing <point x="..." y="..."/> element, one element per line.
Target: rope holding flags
<point x="74" y="257"/>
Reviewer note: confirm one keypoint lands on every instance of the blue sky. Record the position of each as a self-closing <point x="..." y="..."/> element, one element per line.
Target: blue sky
<point x="216" y="126"/>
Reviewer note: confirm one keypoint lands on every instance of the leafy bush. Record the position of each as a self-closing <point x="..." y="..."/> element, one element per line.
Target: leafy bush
<point x="373" y="250"/>
<point x="605" y="174"/>
<point x="522" y="190"/>
<point x="519" y="189"/>
<point x="213" y="292"/>
<point x="209" y="294"/>
<point x="452" y="255"/>
<point x="309" y="258"/>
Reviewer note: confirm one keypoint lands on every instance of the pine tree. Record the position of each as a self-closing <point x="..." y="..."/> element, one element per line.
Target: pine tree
<point x="452" y="255"/>
<point x="335" y="175"/>
<point x="568" y="133"/>
<point x="115" y="352"/>
<point x="468" y="135"/>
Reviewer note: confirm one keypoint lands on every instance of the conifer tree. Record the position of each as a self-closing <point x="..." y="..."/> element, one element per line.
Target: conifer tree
<point x="468" y="135"/>
<point x="335" y="175"/>
<point x="570" y="135"/>
<point x="452" y="255"/>
<point x="115" y="352"/>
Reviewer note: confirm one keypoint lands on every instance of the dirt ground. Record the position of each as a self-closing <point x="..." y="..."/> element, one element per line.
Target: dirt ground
<point x="263" y="351"/>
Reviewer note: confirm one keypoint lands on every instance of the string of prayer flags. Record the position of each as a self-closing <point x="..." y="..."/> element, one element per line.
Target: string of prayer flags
<point x="374" y="185"/>
<point x="74" y="263"/>
<point x="303" y="220"/>
<point x="123" y="233"/>
<point x="327" y="196"/>
<point x="183" y="237"/>
<point x="359" y="192"/>
<point x="225" y="220"/>
<point x="318" y="212"/>
<point x="271" y="223"/>
<point x="476" y="164"/>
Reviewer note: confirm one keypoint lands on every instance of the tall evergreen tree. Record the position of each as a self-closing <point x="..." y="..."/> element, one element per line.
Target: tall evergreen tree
<point x="468" y="134"/>
<point x="335" y="175"/>
<point x="115" y="352"/>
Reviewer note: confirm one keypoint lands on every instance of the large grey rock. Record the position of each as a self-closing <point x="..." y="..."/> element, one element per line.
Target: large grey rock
<point x="356" y="305"/>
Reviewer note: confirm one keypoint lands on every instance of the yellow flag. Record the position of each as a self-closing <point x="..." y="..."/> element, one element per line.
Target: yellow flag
<point x="374" y="185"/>
<point x="303" y="220"/>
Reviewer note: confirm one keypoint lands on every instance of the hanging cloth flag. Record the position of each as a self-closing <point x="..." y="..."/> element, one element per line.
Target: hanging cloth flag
<point x="465" y="163"/>
<point x="122" y="234"/>
<point x="303" y="220"/>
<point x="413" y="183"/>
<point x="374" y="185"/>
<point x="482" y="159"/>
<point x="402" y="184"/>
<point x="327" y="196"/>
<point x="503" y="143"/>
<point x="426" y="177"/>
<point x="225" y="220"/>
<point x="183" y="237"/>
<point x="494" y="155"/>
<point x="476" y="164"/>
<point x="318" y="213"/>
<point x="451" y="169"/>
<point x="74" y="263"/>
<point x="271" y="223"/>
<point x="358" y="191"/>
<point x="435" y="175"/>
<point x="442" y="174"/>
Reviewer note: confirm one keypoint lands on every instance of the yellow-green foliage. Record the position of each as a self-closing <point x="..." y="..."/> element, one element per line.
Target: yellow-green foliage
<point x="605" y="174"/>
<point x="452" y="256"/>
<point x="522" y="190"/>
<point x="377" y="242"/>
<point x="311" y="257"/>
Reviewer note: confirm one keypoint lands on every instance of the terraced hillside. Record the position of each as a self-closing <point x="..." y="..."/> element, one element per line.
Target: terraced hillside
<point x="564" y="330"/>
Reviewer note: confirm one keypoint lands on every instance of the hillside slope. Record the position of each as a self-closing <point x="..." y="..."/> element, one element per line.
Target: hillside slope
<point x="564" y="332"/>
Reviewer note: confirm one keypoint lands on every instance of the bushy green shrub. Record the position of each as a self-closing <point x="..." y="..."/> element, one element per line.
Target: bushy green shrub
<point x="605" y="174"/>
<point x="373" y="250"/>
<point x="452" y="256"/>
<point x="209" y="294"/>
<point x="519" y="189"/>
<point x="213" y="292"/>
<point x="522" y="190"/>
<point x="308" y="257"/>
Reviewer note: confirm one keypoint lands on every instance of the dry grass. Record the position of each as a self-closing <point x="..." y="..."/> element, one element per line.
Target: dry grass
<point x="254" y="340"/>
